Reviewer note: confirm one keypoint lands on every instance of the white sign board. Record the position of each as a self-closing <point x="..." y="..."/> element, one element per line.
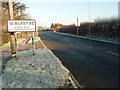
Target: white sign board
<point x="21" y="25"/>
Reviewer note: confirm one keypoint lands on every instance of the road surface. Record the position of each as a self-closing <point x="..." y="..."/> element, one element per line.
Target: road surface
<point x="94" y="64"/>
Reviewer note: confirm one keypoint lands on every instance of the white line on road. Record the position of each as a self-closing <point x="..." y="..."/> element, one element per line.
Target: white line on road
<point x="113" y="53"/>
<point x="87" y="45"/>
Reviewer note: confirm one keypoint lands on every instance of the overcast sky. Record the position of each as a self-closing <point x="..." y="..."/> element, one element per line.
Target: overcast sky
<point x="65" y="12"/>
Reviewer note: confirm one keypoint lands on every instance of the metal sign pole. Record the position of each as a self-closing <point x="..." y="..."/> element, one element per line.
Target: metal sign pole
<point x="33" y="43"/>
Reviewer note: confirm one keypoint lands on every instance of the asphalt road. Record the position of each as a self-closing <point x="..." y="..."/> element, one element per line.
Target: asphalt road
<point x="93" y="64"/>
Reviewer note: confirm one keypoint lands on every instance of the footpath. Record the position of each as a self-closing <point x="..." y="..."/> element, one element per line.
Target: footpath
<point x="42" y="70"/>
<point x="90" y="38"/>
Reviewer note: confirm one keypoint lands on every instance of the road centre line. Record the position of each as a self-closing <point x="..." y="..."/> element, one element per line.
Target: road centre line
<point x="112" y="53"/>
<point x="86" y="45"/>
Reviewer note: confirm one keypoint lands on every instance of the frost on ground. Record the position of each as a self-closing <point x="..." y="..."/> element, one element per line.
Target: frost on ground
<point x="42" y="70"/>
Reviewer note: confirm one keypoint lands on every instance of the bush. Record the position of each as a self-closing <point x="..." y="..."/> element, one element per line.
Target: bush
<point x="103" y="28"/>
<point x="5" y="37"/>
<point x="68" y="29"/>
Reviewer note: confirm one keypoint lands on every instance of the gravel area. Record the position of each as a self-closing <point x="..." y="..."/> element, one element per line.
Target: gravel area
<point x="42" y="70"/>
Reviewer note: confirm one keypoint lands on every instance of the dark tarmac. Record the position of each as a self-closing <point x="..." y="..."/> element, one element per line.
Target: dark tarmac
<point x="93" y="64"/>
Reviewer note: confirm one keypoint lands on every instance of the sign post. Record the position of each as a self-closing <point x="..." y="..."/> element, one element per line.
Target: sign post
<point x="12" y="35"/>
<point x="77" y="27"/>
<point x="33" y="44"/>
<point x="22" y="26"/>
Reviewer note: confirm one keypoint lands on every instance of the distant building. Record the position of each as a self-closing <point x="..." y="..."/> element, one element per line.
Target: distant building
<point x="119" y="9"/>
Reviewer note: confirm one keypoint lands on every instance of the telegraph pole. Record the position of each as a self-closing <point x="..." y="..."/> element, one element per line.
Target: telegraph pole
<point x="118" y="14"/>
<point x="89" y="18"/>
<point x="77" y="27"/>
<point x="12" y="35"/>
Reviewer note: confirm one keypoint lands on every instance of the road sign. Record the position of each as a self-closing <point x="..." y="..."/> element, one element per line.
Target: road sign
<point x="21" y="25"/>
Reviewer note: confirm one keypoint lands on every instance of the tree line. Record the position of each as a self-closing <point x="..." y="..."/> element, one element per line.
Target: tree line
<point x="56" y="25"/>
<point x="107" y="29"/>
<point x="18" y="14"/>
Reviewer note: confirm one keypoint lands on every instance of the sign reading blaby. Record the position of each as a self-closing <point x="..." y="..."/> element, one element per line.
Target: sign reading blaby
<point x="21" y="25"/>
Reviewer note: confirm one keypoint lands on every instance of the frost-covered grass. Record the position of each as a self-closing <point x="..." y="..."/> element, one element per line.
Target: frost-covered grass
<point x="8" y="44"/>
<point x="42" y="70"/>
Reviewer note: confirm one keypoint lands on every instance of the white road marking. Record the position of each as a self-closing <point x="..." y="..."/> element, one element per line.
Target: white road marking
<point x="113" y="53"/>
<point x="87" y="45"/>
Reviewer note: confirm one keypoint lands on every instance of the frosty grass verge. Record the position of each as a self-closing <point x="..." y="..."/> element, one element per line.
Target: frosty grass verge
<point x="42" y="70"/>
